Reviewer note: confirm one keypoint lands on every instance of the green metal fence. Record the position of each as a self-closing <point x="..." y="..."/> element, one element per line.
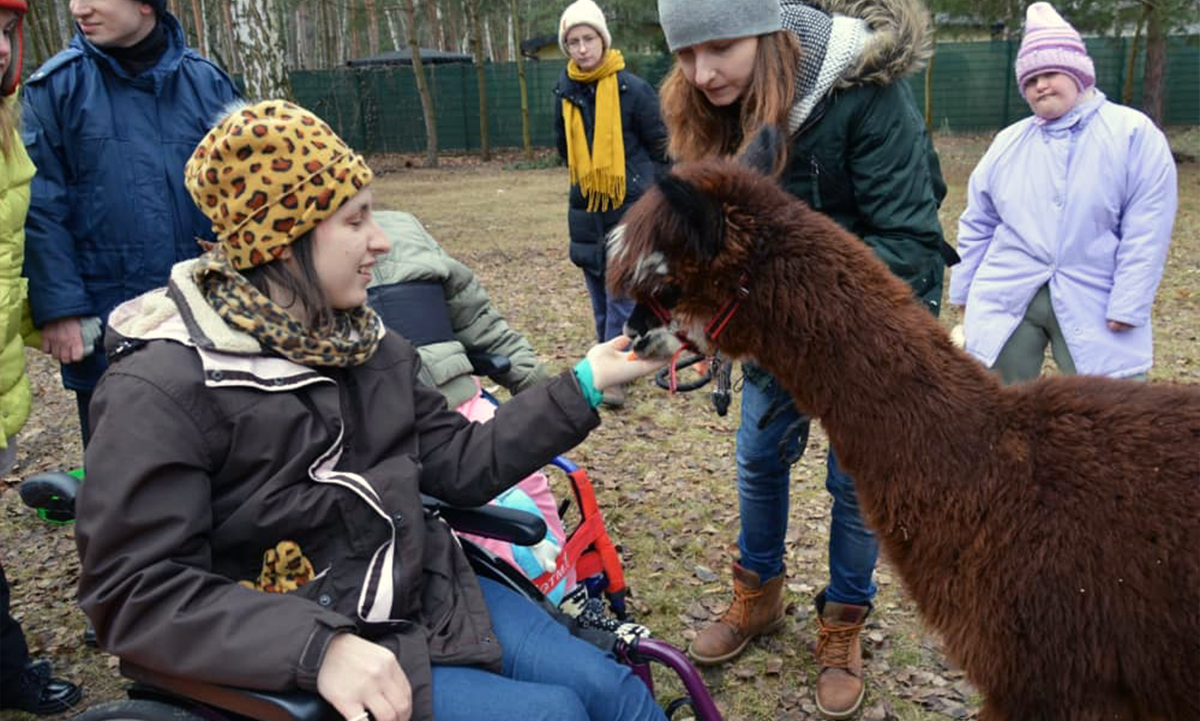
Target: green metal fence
<point x="378" y="110"/>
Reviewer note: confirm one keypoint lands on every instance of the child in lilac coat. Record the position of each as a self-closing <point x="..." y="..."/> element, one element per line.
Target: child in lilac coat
<point x="1068" y="222"/>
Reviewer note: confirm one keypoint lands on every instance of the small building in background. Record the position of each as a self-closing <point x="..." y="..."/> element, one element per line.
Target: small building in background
<point x="542" y="47"/>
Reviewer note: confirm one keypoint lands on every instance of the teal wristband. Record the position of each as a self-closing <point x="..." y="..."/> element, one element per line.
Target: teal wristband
<point x="583" y="374"/>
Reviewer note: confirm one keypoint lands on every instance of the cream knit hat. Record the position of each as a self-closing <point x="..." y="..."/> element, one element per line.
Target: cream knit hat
<point x="582" y="12"/>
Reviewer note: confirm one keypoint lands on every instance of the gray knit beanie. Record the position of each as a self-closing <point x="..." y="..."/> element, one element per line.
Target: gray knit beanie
<point x="690" y="22"/>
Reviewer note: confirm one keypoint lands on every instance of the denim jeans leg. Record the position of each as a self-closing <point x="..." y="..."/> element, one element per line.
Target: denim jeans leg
<point x="853" y="548"/>
<point x="615" y="315"/>
<point x="548" y="674"/>
<point x="599" y="297"/>
<point x="763" y="480"/>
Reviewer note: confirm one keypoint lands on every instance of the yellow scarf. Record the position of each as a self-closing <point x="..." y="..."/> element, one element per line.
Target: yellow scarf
<point x="600" y="175"/>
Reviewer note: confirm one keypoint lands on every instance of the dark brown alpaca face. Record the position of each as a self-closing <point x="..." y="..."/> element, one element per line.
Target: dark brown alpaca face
<point x="686" y="246"/>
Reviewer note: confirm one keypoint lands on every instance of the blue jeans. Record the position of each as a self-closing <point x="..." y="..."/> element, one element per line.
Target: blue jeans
<point x="763" y="486"/>
<point x="548" y="675"/>
<point x="609" y="311"/>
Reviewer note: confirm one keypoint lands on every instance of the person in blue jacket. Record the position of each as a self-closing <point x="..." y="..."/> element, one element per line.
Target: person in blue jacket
<point x="109" y="122"/>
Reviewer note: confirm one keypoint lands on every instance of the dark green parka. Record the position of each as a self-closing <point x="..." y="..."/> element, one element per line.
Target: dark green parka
<point x="859" y="151"/>
<point x="862" y="155"/>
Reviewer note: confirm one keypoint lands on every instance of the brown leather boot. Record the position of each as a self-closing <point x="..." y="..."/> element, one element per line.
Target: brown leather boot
<point x="757" y="608"/>
<point x="840" y="685"/>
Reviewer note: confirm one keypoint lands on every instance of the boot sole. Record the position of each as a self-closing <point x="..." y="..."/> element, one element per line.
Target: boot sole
<point x="717" y="660"/>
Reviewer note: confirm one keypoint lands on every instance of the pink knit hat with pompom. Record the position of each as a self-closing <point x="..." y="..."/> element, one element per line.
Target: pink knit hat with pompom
<point x="1051" y="45"/>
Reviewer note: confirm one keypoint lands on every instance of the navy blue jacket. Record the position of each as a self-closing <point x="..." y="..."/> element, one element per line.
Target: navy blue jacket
<point x="645" y="138"/>
<point x="109" y="214"/>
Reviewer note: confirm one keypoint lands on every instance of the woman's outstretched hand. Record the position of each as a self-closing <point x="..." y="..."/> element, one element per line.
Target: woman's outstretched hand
<point x="612" y="365"/>
<point x="359" y="677"/>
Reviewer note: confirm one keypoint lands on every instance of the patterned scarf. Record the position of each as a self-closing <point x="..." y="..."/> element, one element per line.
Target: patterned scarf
<point x="600" y="174"/>
<point x="353" y="339"/>
<point x="829" y="45"/>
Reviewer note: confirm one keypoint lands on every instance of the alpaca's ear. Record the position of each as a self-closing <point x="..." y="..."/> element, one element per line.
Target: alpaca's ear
<point x="762" y="150"/>
<point x="700" y="214"/>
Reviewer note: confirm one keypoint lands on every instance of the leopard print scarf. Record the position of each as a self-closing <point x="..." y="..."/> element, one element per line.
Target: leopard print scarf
<point x="355" y="335"/>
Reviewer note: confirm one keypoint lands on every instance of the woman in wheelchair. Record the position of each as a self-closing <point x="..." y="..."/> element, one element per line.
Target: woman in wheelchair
<point x="252" y="515"/>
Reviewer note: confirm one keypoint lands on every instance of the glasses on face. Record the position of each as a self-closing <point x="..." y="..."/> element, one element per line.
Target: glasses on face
<point x="581" y="42"/>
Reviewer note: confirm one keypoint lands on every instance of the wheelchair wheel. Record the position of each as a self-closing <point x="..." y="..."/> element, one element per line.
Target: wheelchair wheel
<point x="138" y="710"/>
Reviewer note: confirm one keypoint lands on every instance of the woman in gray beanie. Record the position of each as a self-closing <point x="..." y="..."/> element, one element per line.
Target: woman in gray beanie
<point x="828" y="74"/>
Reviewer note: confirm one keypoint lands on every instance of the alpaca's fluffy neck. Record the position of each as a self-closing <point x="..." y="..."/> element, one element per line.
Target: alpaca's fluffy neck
<point x="906" y="412"/>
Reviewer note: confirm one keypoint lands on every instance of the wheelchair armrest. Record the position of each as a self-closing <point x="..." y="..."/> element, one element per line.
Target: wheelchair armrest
<point x="503" y="524"/>
<point x="264" y="705"/>
<point x="489" y="364"/>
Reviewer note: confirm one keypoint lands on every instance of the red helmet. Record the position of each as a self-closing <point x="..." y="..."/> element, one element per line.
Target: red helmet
<point x="12" y="76"/>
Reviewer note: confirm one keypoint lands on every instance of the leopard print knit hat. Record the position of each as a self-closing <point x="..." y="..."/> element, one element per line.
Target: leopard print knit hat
<point x="269" y="173"/>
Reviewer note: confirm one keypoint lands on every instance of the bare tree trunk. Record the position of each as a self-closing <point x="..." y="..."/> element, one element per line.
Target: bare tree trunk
<point x="303" y="38"/>
<point x="328" y="42"/>
<point x="40" y="48"/>
<point x="1127" y="86"/>
<point x="431" y="152"/>
<point x="351" y="30"/>
<point x="231" y="48"/>
<point x="489" y="47"/>
<point x="372" y="28"/>
<point x="437" y="32"/>
<point x="511" y="50"/>
<point x="475" y="23"/>
<point x="52" y="27"/>
<point x="201" y="36"/>
<point x="339" y="35"/>
<point x="456" y="27"/>
<point x="1154" y="76"/>
<point x="526" y="137"/>
<point x="258" y="45"/>
<point x="396" y="29"/>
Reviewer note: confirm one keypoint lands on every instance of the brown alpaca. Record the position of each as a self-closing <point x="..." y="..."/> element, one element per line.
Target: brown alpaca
<point x="1050" y="532"/>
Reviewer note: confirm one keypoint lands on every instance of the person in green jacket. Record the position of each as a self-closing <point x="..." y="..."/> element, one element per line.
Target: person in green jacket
<point x="25" y="684"/>
<point x="830" y="75"/>
<point x="438" y="304"/>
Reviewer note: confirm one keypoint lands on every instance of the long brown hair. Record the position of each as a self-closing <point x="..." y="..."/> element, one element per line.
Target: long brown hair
<point x="300" y="286"/>
<point x="10" y="122"/>
<point x="698" y="129"/>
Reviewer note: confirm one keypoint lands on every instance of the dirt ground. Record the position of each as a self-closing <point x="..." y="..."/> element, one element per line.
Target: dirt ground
<point x="663" y="466"/>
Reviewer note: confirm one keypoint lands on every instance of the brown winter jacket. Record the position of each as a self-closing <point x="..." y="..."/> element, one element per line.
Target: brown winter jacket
<point x="205" y="453"/>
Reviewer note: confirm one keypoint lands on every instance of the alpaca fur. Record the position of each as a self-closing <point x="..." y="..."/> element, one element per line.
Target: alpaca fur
<point x="1050" y="532"/>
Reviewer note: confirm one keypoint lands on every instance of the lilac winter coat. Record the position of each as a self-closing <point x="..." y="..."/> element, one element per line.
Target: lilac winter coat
<point x="1085" y="203"/>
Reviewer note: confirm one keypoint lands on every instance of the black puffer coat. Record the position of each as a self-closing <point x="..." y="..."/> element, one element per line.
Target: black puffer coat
<point x="645" y="138"/>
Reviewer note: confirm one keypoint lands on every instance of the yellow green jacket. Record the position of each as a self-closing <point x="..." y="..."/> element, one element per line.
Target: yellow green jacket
<point x="16" y="328"/>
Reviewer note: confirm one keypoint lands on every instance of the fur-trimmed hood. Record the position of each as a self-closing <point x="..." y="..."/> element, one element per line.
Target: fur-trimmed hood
<point x="178" y="312"/>
<point x="901" y="40"/>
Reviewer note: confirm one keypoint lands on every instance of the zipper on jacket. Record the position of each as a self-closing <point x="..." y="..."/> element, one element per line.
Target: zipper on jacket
<point x="815" y="168"/>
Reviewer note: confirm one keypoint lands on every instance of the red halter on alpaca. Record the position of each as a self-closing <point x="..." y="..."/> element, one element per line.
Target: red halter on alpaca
<point x="712" y="329"/>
